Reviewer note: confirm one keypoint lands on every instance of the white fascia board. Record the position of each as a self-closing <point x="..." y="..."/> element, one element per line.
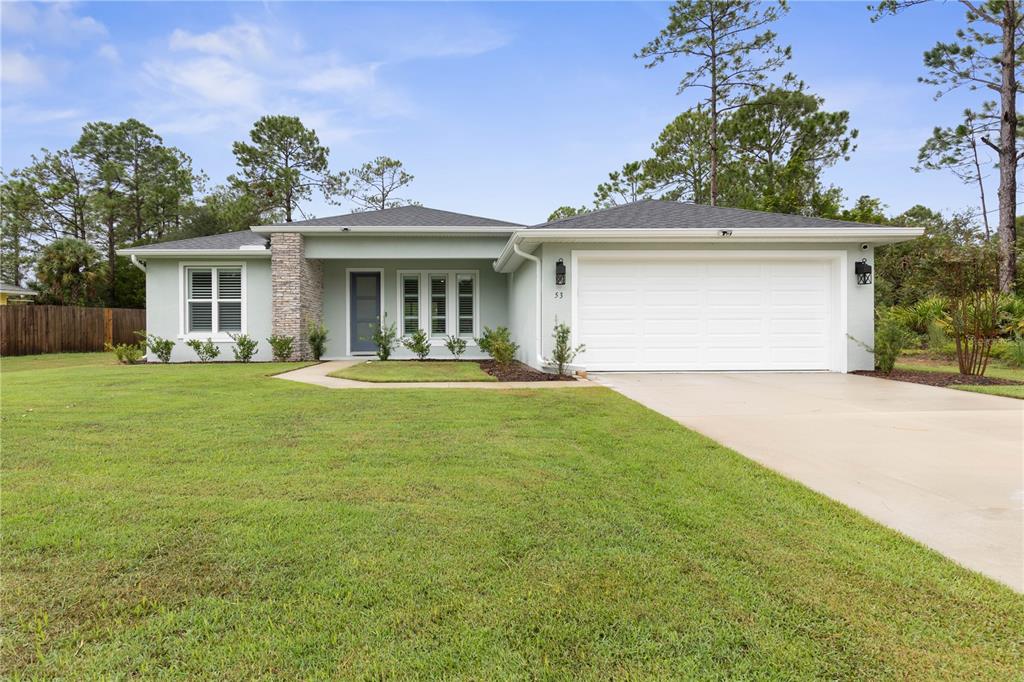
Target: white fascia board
<point x="434" y="231"/>
<point x="198" y="253"/>
<point x="763" y="235"/>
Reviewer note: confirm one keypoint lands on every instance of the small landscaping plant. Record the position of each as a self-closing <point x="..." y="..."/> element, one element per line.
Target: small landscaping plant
<point x="563" y="353"/>
<point x="419" y="343"/>
<point x="385" y="337"/>
<point x="244" y="348"/>
<point x="281" y="346"/>
<point x="127" y="353"/>
<point x="317" y="335"/>
<point x="159" y="346"/>
<point x="1014" y="352"/>
<point x="891" y="339"/>
<point x="204" y="350"/>
<point x="499" y="345"/>
<point x="455" y="346"/>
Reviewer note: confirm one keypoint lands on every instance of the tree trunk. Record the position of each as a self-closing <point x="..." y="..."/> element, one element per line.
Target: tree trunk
<point x="1008" y="153"/>
<point x="981" y="186"/>
<point x="111" y="263"/>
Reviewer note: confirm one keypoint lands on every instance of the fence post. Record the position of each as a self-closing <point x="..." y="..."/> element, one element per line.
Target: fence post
<point x="108" y="327"/>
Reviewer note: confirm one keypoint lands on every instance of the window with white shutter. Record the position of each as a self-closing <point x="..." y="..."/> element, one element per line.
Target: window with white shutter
<point x="438" y="305"/>
<point x="213" y="300"/>
<point x="410" y="304"/>
<point x="466" y="292"/>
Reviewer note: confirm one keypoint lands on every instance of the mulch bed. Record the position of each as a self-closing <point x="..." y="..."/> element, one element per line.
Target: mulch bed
<point x="517" y="371"/>
<point x="939" y="378"/>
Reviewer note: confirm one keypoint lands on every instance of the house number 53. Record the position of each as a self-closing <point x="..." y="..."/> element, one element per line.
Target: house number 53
<point x="559" y="294"/>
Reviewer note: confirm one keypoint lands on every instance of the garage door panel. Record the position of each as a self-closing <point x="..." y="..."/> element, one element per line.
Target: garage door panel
<point x="691" y="314"/>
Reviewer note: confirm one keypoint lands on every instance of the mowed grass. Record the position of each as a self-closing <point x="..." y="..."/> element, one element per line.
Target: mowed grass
<point x="395" y="371"/>
<point x="994" y="369"/>
<point x="207" y="521"/>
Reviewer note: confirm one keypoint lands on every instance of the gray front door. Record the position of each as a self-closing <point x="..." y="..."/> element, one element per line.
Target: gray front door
<point x="364" y="310"/>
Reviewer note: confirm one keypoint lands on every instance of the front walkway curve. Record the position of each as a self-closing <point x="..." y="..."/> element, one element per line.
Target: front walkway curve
<point x="317" y="375"/>
<point x="945" y="467"/>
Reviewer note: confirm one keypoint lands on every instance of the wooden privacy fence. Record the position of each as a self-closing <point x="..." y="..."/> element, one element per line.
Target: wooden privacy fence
<point x="32" y="329"/>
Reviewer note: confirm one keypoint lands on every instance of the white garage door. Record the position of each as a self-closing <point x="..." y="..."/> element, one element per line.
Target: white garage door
<point x="656" y="313"/>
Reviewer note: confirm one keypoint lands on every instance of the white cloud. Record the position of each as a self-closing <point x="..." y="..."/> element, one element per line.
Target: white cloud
<point x="109" y="52"/>
<point x="19" y="69"/>
<point x="235" y="41"/>
<point x="21" y="114"/>
<point x="53" y="22"/>
<point x="339" y="79"/>
<point x="209" y="81"/>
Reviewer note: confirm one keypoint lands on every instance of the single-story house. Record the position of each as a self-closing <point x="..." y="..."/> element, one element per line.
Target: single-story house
<point x="651" y="285"/>
<point x="11" y="293"/>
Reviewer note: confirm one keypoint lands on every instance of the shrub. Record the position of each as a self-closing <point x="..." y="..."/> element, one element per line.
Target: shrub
<point x="976" y="321"/>
<point x="128" y="353"/>
<point x="938" y="339"/>
<point x="1013" y="309"/>
<point x="563" y="353"/>
<point x="385" y="336"/>
<point x="419" y="343"/>
<point x="244" y="348"/>
<point x="160" y="347"/>
<point x="891" y="339"/>
<point x="498" y="344"/>
<point x="455" y="346"/>
<point x="205" y="350"/>
<point x="281" y="346"/>
<point x="1013" y="352"/>
<point x="317" y="335"/>
<point x="918" y="317"/>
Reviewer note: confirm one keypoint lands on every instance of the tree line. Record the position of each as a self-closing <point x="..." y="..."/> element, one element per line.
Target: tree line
<point x="756" y="141"/>
<point x="66" y="213"/>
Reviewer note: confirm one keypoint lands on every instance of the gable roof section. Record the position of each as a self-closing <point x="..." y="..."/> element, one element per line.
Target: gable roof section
<point x="656" y="214"/>
<point x="229" y="241"/>
<point x="401" y="216"/>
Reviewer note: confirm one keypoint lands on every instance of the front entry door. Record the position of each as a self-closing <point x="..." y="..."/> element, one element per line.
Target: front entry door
<point x="364" y="310"/>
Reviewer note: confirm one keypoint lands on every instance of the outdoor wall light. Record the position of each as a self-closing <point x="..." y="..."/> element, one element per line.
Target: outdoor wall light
<point x="560" y="272"/>
<point x="863" y="271"/>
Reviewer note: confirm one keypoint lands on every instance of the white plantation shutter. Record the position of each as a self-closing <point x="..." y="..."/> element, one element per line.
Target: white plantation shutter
<point x="438" y="305"/>
<point x="410" y="303"/>
<point x="200" y="303"/>
<point x="466" y="286"/>
<point x="200" y="284"/>
<point x="229" y="300"/>
<point x="200" y="316"/>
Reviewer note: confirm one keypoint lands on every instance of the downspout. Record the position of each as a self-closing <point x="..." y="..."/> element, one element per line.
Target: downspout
<point x="137" y="263"/>
<point x="529" y="256"/>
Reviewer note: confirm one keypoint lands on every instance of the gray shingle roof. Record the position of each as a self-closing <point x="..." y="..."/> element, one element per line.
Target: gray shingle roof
<point x="657" y="214"/>
<point x="6" y="288"/>
<point x="403" y="216"/>
<point x="228" y="240"/>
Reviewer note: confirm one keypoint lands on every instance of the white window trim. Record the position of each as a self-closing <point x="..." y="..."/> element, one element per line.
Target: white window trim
<point x="222" y="337"/>
<point x="452" y="312"/>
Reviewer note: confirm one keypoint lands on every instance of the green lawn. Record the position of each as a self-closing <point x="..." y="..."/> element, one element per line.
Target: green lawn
<point x="393" y="371"/>
<point x="208" y="521"/>
<point x="995" y="369"/>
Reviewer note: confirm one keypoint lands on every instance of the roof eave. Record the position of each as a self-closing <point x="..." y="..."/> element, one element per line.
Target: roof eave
<point x="385" y="230"/>
<point x="258" y="252"/>
<point x="507" y="261"/>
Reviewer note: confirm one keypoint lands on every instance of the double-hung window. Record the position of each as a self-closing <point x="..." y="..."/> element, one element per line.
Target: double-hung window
<point x="438" y="305"/>
<point x="213" y="300"/>
<point x="466" y="292"/>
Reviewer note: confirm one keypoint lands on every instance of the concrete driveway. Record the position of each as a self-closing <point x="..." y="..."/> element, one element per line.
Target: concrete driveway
<point x="945" y="467"/>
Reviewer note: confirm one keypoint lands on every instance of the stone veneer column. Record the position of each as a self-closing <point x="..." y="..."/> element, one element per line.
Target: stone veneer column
<point x="297" y="287"/>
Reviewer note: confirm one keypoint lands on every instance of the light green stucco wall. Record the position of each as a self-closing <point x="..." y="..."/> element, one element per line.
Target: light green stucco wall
<point x="164" y="300"/>
<point x="493" y="290"/>
<point x="859" y="299"/>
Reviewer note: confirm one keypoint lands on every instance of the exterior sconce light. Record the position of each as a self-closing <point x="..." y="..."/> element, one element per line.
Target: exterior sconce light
<point x="863" y="271"/>
<point x="560" y="272"/>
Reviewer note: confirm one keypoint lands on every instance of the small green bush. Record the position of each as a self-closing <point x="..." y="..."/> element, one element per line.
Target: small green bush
<point x="1012" y="351"/>
<point x="205" y="350"/>
<point x="455" y="345"/>
<point x="281" y="346"/>
<point x="244" y="348"/>
<point x="891" y="339"/>
<point x="385" y="337"/>
<point x="127" y="353"/>
<point x="563" y="353"/>
<point x="937" y="336"/>
<point x="419" y="343"/>
<point x="317" y="335"/>
<point x="499" y="345"/>
<point x="160" y="347"/>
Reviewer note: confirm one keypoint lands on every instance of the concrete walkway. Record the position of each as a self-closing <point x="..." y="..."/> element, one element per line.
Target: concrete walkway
<point x="945" y="467"/>
<point x="317" y="375"/>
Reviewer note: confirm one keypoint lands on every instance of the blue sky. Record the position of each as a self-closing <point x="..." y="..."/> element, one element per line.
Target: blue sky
<point x="505" y="110"/>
